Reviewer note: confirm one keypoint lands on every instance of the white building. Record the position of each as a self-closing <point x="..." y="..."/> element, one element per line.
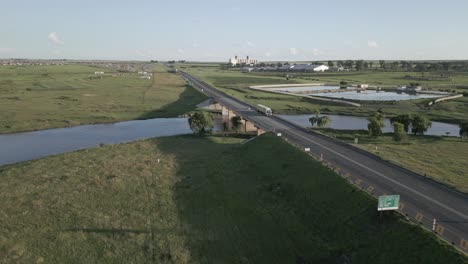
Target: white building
<point x="320" y="68"/>
<point x="306" y="68"/>
<point x="236" y="61"/>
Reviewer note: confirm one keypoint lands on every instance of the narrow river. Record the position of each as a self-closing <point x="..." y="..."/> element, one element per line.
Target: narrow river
<point x="33" y="145"/>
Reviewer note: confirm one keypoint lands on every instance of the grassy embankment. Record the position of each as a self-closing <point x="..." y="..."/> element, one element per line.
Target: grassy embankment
<point x="209" y="200"/>
<point x="40" y="97"/>
<point x="441" y="158"/>
<point x="236" y="84"/>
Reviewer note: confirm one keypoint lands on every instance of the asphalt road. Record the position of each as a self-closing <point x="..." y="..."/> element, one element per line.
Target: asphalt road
<point x="422" y="198"/>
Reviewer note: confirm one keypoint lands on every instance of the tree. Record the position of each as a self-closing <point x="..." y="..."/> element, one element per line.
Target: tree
<point x="236" y="122"/>
<point x="359" y="65"/>
<point x="366" y="65"/>
<point x="323" y="121"/>
<point x="331" y="64"/>
<point x="320" y="121"/>
<point x="349" y="64"/>
<point x="340" y="63"/>
<point x="382" y="64"/>
<point x="200" y="122"/>
<point x="464" y="130"/>
<point x="421" y="67"/>
<point x="405" y="120"/>
<point x="399" y="133"/>
<point x="394" y="65"/>
<point x="420" y="124"/>
<point x="376" y="123"/>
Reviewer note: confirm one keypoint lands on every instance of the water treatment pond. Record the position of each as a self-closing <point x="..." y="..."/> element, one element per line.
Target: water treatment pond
<point x="305" y="88"/>
<point x="372" y="95"/>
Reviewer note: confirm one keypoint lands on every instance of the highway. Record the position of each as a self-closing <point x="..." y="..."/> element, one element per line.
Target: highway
<point x="422" y="199"/>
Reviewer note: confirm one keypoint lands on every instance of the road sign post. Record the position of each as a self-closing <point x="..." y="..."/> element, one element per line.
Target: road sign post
<point x="388" y="202"/>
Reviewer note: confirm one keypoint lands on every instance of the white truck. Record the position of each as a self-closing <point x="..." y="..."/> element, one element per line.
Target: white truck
<point x="264" y="109"/>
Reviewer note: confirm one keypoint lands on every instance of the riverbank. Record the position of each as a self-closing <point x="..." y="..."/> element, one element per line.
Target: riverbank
<point x="440" y="158"/>
<point x="191" y="199"/>
<point x="41" y="97"/>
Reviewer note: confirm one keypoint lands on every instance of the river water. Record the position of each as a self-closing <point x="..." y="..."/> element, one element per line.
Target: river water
<point x="354" y="123"/>
<point x="33" y="145"/>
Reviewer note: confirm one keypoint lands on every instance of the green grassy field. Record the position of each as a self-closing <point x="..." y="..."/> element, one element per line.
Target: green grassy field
<point x="431" y="80"/>
<point x="208" y="200"/>
<point x="236" y="84"/>
<point x="441" y="158"/>
<point x="40" y="97"/>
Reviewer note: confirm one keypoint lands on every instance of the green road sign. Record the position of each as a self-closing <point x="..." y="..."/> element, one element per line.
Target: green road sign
<point x="388" y="202"/>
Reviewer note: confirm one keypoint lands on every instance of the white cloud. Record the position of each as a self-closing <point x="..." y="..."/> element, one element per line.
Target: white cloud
<point x="293" y="51"/>
<point x="347" y="42"/>
<point x="56" y="52"/>
<point x="54" y="38"/>
<point x="181" y="51"/>
<point x="249" y="43"/>
<point x="268" y="54"/>
<point x="372" y="44"/>
<point x="195" y="44"/>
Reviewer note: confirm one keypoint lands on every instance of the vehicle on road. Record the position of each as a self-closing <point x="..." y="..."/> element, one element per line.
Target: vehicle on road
<point x="265" y="110"/>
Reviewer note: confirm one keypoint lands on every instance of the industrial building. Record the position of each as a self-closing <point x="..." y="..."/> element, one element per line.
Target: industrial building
<point x="247" y="61"/>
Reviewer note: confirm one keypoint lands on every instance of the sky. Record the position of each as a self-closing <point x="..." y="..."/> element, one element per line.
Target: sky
<point x="206" y="30"/>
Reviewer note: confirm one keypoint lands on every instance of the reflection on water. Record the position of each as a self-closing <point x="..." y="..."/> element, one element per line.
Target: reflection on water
<point x="355" y="123"/>
<point x="32" y="145"/>
<point x="371" y="95"/>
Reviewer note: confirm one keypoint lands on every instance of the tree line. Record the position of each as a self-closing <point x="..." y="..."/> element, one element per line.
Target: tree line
<point x="201" y="122"/>
<point x="402" y="65"/>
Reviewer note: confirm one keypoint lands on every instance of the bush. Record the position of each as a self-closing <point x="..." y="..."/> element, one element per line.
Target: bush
<point x="399" y="133"/>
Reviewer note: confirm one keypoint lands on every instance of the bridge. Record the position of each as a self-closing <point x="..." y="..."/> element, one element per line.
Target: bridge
<point x="430" y="204"/>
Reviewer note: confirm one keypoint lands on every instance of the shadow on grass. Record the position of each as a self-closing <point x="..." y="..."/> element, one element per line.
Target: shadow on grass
<point x="266" y="202"/>
<point x="187" y="101"/>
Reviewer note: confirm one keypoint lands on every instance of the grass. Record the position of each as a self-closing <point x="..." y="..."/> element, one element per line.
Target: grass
<point x="41" y="97"/>
<point x="441" y="158"/>
<point x="236" y="84"/>
<point x="208" y="200"/>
